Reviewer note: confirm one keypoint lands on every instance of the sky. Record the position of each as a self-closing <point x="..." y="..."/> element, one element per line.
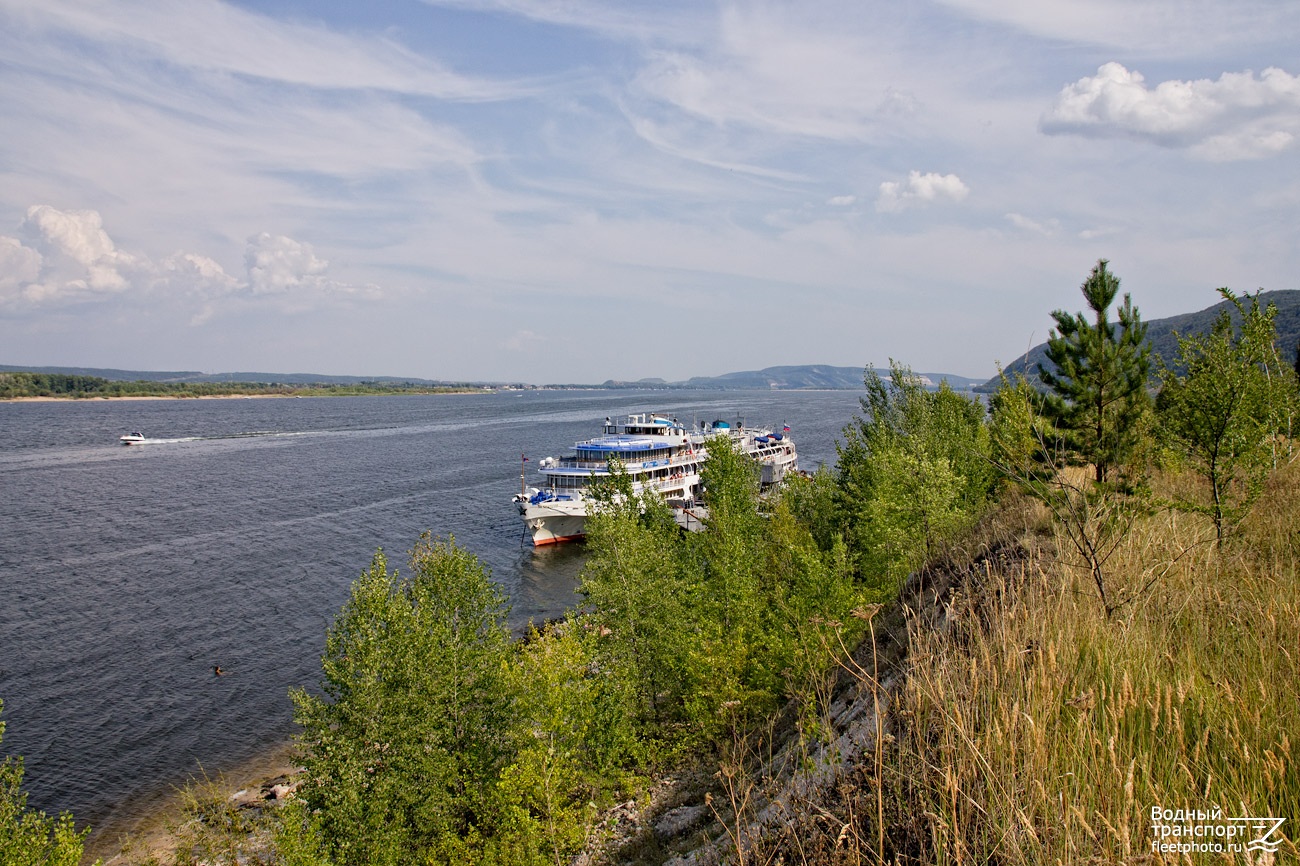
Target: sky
<point x="570" y="191"/>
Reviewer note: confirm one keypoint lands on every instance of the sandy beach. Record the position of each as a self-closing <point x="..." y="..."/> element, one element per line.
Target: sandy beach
<point x="145" y="827"/>
<point x="142" y="397"/>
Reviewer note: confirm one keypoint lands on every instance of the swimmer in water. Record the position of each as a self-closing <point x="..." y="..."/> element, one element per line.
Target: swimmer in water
<point x="217" y="671"/>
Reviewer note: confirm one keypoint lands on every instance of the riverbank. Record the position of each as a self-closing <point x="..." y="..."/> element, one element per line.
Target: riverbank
<point x="149" y="827"/>
<point x="71" y="399"/>
<point x="187" y="397"/>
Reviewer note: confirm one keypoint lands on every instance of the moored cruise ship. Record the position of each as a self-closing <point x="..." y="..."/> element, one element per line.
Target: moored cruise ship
<point x="657" y="452"/>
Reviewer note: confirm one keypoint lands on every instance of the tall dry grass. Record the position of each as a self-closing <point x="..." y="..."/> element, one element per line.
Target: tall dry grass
<point x="1034" y="729"/>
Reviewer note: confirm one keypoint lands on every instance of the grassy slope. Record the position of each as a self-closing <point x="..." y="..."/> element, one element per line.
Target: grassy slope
<point x="1032" y="729"/>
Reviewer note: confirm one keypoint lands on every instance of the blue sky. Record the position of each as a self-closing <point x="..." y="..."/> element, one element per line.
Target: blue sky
<point x="571" y="190"/>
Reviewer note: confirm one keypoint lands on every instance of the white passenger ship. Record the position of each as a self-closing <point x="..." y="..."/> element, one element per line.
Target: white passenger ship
<point x="657" y="452"/>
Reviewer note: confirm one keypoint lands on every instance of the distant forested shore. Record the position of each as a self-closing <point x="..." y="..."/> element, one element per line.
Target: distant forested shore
<point x="23" y="385"/>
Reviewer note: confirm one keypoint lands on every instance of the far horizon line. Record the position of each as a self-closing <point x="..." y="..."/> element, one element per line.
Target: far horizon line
<point x="304" y="377"/>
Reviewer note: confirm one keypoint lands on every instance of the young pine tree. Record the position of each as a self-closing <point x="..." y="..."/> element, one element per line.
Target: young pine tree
<point x="1098" y="378"/>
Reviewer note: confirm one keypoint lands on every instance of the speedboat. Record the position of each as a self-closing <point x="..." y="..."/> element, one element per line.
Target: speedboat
<point x="658" y="454"/>
<point x="132" y="439"/>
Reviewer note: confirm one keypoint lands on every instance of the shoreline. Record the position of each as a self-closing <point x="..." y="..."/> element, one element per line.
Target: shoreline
<point x="145" y="825"/>
<point x="143" y="397"/>
<point x="93" y="399"/>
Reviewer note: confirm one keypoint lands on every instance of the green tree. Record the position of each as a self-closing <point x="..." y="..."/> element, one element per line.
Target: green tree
<point x="638" y="601"/>
<point x="403" y="751"/>
<point x="1224" y="410"/>
<point x="814" y="501"/>
<point x="694" y="633"/>
<point x="913" y="469"/>
<point x="1018" y="433"/>
<point x="28" y="837"/>
<point x="576" y="739"/>
<point x="730" y="664"/>
<point x="1098" y="378"/>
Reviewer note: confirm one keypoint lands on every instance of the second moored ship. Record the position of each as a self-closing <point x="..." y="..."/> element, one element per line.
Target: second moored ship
<point x="657" y="452"/>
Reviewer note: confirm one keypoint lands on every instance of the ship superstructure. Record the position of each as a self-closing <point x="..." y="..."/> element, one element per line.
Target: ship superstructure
<point x="657" y="452"/>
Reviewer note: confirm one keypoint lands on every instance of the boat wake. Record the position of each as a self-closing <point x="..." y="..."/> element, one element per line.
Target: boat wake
<point x="254" y="434"/>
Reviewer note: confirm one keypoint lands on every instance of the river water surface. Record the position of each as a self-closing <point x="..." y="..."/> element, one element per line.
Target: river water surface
<point x="127" y="573"/>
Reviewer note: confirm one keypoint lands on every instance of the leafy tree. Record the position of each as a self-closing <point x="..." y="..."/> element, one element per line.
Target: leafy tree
<point x="28" y="837"/>
<point x="638" y="600"/>
<point x="814" y="501"/>
<point x="1223" y="412"/>
<point x="809" y="596"/>
<point x="577" y="736"/>
<point x="913" y="468"/>
<point x="694" y="633"/>
<point x="1018" y="433"/>
<point x="1098" y="377"/>
<point x="730" y="663"/>
<point x="417" y="720"/>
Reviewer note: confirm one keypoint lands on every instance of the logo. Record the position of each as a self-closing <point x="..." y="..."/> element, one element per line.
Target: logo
<point x="1202" y="831"/>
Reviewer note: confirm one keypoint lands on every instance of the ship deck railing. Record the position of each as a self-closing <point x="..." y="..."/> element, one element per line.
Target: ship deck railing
<point x="601" y="465"/>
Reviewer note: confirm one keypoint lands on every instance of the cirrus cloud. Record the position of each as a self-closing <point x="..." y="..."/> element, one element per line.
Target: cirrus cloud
<point x="1238" y="116"/>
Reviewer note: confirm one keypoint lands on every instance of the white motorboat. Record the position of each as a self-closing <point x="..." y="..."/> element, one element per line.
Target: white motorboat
<point x="657" y="452"/>
<point x="132" y="439"/>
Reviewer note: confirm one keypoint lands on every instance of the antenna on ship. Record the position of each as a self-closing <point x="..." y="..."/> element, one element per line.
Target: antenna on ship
<point x="523" y="490"/>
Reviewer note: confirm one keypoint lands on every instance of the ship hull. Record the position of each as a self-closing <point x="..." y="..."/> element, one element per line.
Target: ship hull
<point x="554" y="525"/>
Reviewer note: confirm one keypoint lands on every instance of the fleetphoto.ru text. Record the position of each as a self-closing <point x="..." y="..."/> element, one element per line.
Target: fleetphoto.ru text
<point x="1207" y="831"/>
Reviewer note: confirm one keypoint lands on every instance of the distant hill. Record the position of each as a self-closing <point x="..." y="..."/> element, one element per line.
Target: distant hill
<point x="809" y="377"/>
<point x="791" y="378"/>
<point x="1164" y="343"/>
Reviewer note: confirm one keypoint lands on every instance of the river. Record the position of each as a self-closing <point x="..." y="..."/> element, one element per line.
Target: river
<point x="128" y="573"/>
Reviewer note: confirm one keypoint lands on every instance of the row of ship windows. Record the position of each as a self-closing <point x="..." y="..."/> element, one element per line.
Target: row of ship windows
<point x="566" y="482"/>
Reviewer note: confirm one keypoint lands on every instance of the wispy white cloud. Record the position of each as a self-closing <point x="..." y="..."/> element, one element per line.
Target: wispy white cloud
<point x="225" y="39"/>
<point x="920" y="189"/>
<point x="523" y="340"/>
<point x="1238" y="116"/>
<point x="1046" y="227"/>
<point x="1148" y="27"/>
<point x="776" y="69"/>
<point x="675" y="21"/>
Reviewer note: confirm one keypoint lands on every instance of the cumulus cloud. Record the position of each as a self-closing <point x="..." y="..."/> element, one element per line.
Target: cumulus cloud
<point x="19" y="266"/>
<point x="62" y="256"/>
<point x="1238" y="116"/>
<point x="277" y="265"/>
<point x="67" y="256"/>
<point x="920" y="189"/>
